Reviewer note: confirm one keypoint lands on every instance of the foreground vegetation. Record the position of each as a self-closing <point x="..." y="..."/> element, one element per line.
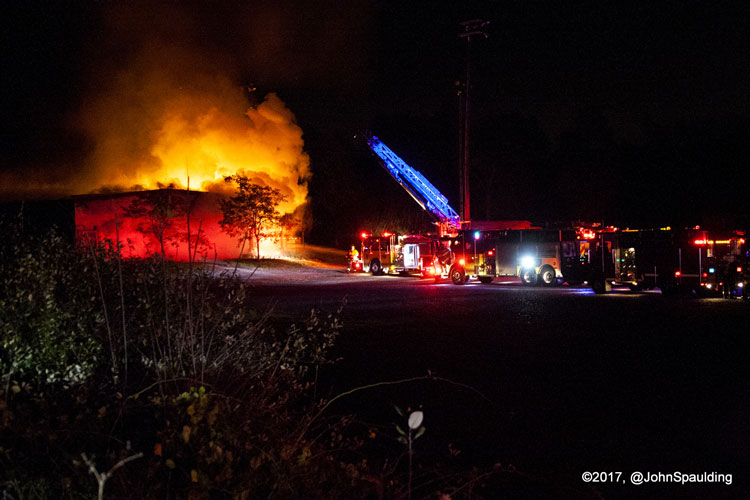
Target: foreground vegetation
<point x="144" y="379"/>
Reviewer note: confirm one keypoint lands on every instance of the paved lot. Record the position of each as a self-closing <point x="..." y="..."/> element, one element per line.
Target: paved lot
<point x="570" y="381"/>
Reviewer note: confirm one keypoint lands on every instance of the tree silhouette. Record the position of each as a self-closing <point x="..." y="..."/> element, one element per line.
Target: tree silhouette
<point x="156" y="212"/>
<point x="251" y="212"/>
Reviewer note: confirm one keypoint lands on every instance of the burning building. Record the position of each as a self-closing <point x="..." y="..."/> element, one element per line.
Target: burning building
<point x="167" y="111"/>
<point x="176" y="223"/>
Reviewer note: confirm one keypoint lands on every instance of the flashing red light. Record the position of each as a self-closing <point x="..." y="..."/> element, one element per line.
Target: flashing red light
<point x="491" y="253"/>
<point x="363" y="235"/>
<point x="742" y="241"/>
<point x="705" y="275"/>
<point x="588" y="234"/>
<point x="739" y="269"/>
<point x="386" y="234"/>
<point x="677" y="274"/>
<point x="699" y="242"/>
<point x="462" y="262"/>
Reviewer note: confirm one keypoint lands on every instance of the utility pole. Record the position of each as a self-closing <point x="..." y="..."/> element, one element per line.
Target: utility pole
<point x="471" y="28"/>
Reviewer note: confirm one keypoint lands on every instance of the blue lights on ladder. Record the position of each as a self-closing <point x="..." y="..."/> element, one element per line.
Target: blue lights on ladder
<point x="423" y="192"/>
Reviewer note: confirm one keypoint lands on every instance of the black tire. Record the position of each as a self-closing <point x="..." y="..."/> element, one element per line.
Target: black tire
<point x="458" y="275"/>
<point x="486" y="280"/>
<point x="529" y="277"/>
<point x="375" y="267"/>
<point x="599" y="286"/>
<point x="547" y="276"/>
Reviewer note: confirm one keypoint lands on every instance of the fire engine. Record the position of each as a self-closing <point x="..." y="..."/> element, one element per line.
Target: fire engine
<point x="685" y="260"/>
<point x="480" y="249"/>
<point x="689" y="260"/>
<point x="412" y="254"/>
<point x="538" y="256"/>
<point x="401" y="254"/>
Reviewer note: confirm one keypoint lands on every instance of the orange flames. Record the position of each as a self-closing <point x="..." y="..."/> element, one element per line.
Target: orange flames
<point x="196" y="143"/>
<point x="161" y="106"/>
<point x="195" y="140"/>
<point x="203" y="147"/>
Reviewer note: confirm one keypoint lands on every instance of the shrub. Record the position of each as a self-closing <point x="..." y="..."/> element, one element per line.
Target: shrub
<point x="50" y="321"/>
<point x="104" y="356"/>
<point x="113" y="357"/>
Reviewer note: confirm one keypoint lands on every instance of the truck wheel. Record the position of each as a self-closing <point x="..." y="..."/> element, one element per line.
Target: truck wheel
<point x="529" y="277"/>
<point x="485" y="279"/>
<point x="375" y="267"/>
<point x="458" y="275"/>
<point x="547" y="276"/>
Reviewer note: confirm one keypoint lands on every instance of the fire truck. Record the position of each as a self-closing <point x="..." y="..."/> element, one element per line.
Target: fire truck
<point x="544" y="257"/>
<point x="426" y="255"/>
<point x="396" y="254"/>
<point x="689" y="260"/>
<point x="483" y="250"/>
<point x="376" y="251"/>
<point x="686" y="260"/>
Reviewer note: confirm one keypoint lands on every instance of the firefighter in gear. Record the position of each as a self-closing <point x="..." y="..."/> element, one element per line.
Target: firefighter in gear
<point x="353" y="253"/>
<point x="443" y="260"/>
<point x="352" y="260"/>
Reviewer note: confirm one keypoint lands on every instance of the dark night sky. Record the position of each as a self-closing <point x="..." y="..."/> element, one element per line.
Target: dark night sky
<point x="632" y="114"/>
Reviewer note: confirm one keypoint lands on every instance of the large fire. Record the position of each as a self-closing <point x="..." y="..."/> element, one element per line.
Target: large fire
<point x="164" y="108"/>
<point x="198" y="148"/>
<point x="196" y="144"/>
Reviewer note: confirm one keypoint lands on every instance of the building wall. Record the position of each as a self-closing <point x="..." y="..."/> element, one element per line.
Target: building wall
<point x="137" y="230"/>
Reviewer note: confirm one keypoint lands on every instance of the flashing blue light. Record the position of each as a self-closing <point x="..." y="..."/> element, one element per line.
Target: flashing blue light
<point x="476" y="235"/>
<point x="711" y="270"/>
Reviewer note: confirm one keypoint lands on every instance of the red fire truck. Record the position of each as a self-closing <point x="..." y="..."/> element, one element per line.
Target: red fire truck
<point x="401" y="254"/>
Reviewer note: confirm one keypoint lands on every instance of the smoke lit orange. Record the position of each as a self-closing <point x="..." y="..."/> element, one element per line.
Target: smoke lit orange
<point x="202" y="145"/>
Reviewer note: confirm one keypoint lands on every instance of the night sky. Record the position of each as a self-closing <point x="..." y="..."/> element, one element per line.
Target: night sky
<point x="632" y="115"/>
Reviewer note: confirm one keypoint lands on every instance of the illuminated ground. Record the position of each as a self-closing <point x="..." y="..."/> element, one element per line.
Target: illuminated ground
<point x="573" y="381"/>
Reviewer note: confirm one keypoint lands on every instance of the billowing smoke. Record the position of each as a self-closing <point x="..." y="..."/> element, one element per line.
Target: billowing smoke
<point x="198" y="137"/>
<point x="165" y="106"/>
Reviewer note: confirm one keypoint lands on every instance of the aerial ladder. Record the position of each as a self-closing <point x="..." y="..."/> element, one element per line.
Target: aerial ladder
<point x="450" y="255"/>
<point x="423" y="192"/>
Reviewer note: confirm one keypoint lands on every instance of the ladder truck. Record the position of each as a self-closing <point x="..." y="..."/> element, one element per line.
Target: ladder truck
<point x="426" y="255"/>
<point x="424" y="193"/>
<point x="485" y="249"/>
